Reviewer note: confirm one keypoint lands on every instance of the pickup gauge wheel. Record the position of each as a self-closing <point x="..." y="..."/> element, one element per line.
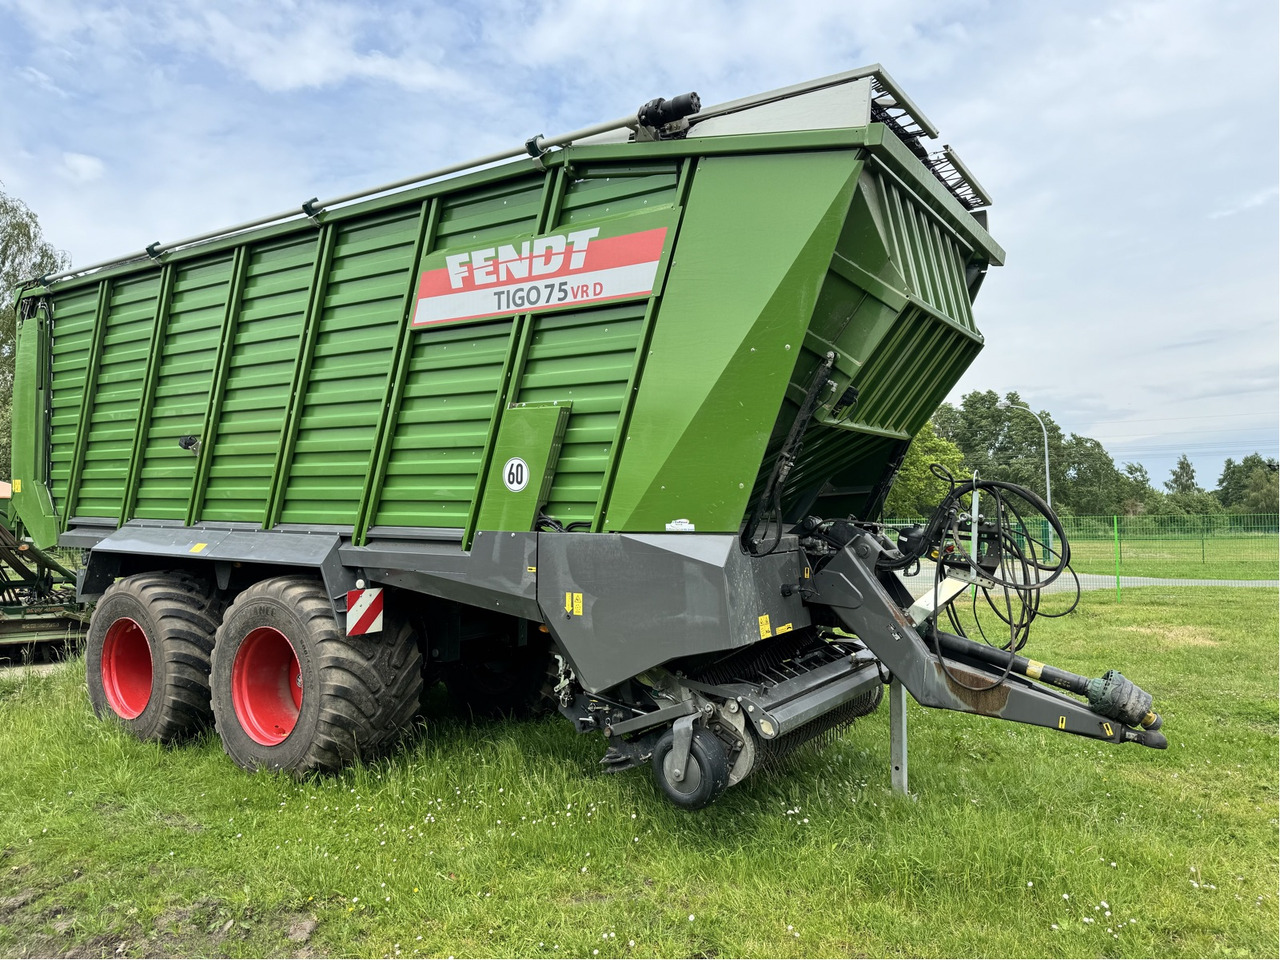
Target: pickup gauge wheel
<point x="292" y="692"/>
<point x="705" y="777"/>
<point x="147" y="654"/>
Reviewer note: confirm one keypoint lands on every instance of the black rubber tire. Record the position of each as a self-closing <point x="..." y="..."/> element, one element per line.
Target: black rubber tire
<point x="707" y="775"/>
<point x="498" y="679"/>
<point x="358" y="693"/>
<point x="176" y="613"/>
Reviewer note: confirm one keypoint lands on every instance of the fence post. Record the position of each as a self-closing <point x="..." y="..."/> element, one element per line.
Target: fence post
<point x="1115" y="528"/>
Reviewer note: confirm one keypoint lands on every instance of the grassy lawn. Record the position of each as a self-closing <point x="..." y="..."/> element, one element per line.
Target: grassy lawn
<point x="1240" y="558"/>
<point x="505" y="839"/>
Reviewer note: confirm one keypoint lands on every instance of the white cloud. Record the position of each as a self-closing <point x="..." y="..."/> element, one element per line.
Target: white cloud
<point x="1257" y="199"/>
<point x="279" y="51"/>
<point x="80" y="167"/>
<point x="41" y="80"/>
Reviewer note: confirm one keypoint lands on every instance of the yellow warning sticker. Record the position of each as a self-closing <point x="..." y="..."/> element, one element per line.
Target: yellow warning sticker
<point x="577" y="604"/>
<point x="784" y="628"/>
<point x="17" y="485"/>
<point x="198" y="547"/>
<point x="531" y="569"/>
<point x="573" y="603"/>
<point x="1107" y="728"/>
<point x="1062" y="723"/>
<point x="765" y="630"/>
<point x="1034" y="669"/>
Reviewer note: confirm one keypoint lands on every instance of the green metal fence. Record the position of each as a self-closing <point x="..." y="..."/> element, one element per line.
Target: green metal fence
<point x="1205" y="547"/>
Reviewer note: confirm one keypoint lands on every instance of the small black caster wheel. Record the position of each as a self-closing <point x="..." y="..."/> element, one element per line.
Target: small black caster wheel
<point x="705" y="776"/>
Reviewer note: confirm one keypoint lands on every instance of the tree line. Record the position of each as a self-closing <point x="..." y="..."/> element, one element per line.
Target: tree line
<point x="983" y="434"/>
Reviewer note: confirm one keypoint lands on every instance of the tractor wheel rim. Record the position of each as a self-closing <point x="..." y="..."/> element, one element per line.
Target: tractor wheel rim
<point x="266" y="686"/>
<point x="126" y="668"/>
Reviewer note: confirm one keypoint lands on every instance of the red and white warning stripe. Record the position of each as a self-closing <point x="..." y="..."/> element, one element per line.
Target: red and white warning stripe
<point x="364" y="611"/>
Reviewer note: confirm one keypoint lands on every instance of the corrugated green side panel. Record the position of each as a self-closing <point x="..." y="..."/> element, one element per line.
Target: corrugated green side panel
<point x="896" y="308"/>
<point x="454" y="377"/>
<point x="113" y="414"/>
<point x="911" y="370"/>
<point x="497" y="211"/>
<point x="189" y="349"/>
<point x="583" y="357"/>
<point x="246" y="435"/>
<point x="587" y="356"/>
<point x="343" y="393"/>
<point x="929" y="258"/>
<point x="358" y="325"/>
<point x="72" y="340"/>
<point x="747" y="272"/>
<point x="608" y="189"/>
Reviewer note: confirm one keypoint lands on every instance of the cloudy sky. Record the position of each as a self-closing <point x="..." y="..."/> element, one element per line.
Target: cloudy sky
<point x="1130" y="148"/>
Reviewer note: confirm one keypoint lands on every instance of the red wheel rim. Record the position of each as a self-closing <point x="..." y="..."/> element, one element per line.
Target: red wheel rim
<point x="126" y="668"/>
<point x="266" y="686"/>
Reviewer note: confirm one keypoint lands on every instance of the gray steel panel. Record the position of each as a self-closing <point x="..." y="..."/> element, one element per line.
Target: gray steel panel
<point x="218" y="543"/>
<point x="846" y="105"/>
<point x="498" y="573"/>
<point x="650" y="598"/>
<point x="255" y="546"/>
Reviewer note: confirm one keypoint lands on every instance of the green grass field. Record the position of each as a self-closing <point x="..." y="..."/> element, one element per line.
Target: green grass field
<point x="1222" y="558"/>
<point x="505" y="839"/>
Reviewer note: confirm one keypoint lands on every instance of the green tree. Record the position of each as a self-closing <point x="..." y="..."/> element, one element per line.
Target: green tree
<point x="916" y="491"/>
<point x="1003" y="443"/>
<point x="1182" y="478"/>
<point x="1234" y="482"/>
<point x="1184" y="503"/>
<point x="1094" y="486"/>
<point x="24" y="254"/>
<point x="1262" y="492"/>
<point x="1139" y="494"/>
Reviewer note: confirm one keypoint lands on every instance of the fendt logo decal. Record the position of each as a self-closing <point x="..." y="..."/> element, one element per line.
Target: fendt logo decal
<point x="547" y="273"/>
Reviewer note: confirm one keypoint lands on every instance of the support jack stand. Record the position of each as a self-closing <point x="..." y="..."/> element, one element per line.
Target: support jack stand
<point x="898" y="736"/>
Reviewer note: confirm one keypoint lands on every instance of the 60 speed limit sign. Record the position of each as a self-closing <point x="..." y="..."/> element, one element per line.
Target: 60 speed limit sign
<point x="515" y="474"/>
